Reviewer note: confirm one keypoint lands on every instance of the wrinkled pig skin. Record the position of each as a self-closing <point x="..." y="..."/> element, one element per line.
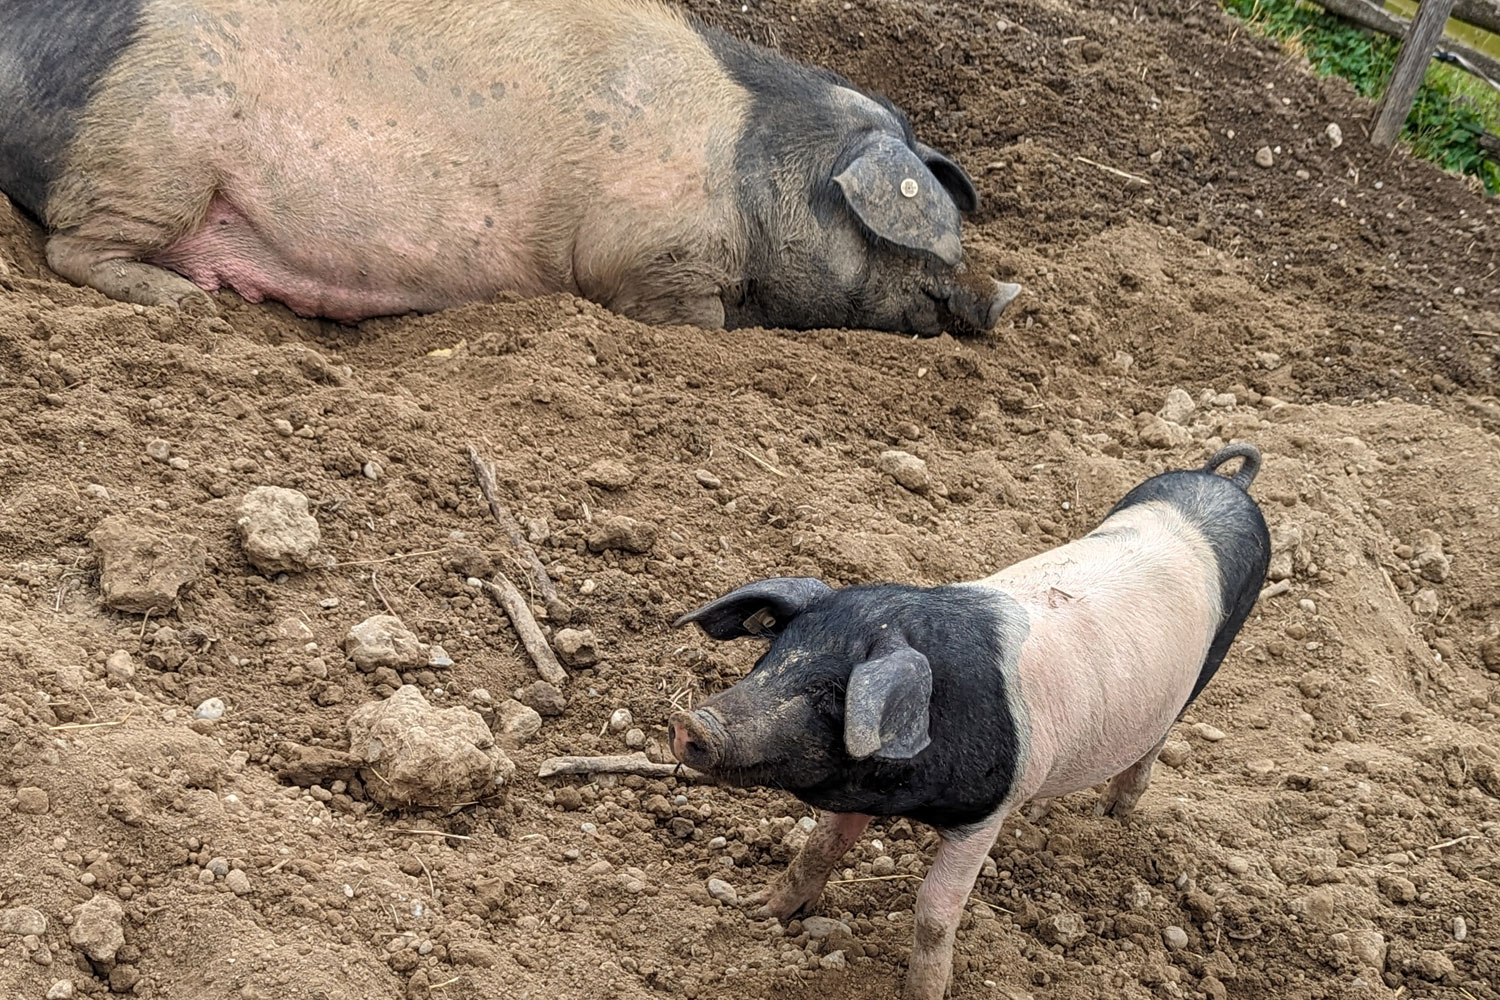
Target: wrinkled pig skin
<point x="955" y="705"/>
<point x="355" y="158"/>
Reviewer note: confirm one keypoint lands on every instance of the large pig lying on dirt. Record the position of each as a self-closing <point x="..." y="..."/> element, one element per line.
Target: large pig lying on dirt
<point x="954" y="705"/>
<point x="353" y="158"/>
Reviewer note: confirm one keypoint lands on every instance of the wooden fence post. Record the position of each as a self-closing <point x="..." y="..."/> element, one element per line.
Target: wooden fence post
<point x="1411" y="65"/>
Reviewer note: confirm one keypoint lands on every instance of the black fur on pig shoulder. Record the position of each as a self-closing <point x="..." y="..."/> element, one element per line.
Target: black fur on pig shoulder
<point x="1232" y="524"/>
<point x="967" y="771"/>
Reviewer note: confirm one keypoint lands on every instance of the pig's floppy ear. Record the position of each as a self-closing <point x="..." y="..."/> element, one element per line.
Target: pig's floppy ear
<point x="886" y="706"/>
<point x="952" y="177"/>
<point x="899" y="199"/>
<point x="762" y="608"/>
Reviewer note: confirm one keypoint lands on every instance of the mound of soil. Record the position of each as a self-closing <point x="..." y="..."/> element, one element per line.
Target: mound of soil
<point x="180" y="813"/>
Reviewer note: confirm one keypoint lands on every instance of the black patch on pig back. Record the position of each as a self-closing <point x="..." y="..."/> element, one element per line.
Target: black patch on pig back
<point x="967" y="771"/>
<point x="52" y="53"/>
<point x="1232" y="524"/>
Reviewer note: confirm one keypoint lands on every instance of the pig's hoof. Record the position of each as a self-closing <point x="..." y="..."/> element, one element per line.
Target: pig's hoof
<point x="780" y="903"/>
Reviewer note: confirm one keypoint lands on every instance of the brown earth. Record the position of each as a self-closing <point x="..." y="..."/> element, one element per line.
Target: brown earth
<point x="1340" y="840"/>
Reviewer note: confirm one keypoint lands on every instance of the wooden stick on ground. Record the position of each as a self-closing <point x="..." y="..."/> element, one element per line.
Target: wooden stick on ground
<point x="556" y="609"/>
<point x="625" y="763"/>
<point x="508" y="597"/>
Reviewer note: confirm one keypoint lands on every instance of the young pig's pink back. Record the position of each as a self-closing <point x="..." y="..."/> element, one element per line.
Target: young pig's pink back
<point x="1118" y="624"/>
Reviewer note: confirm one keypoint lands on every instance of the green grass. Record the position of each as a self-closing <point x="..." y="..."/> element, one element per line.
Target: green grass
<point x="1452" y="107"/>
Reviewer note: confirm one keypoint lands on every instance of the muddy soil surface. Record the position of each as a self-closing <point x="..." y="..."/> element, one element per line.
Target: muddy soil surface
<point x="178" y="815"/>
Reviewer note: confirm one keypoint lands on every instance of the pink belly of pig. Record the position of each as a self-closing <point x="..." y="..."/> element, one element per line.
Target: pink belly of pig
<point x="320" y="274"/>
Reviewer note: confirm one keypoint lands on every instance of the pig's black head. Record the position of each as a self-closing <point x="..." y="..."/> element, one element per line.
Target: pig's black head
<point x="845" y="708"/>
<point x="849" y="220"/>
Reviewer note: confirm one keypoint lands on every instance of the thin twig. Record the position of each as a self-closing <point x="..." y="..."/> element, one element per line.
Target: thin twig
<point x="625" y="763"/>
<point x="430" y="887"/>
<point x="1454" y="841"/>
<point x="433" y="833"/>
<point x="752" y="456"/>
<point x="1111" y="170"/>
<point x="556" y="609"/>
<point x="530" y="633"/>
<point x="381" y="594"/>
<point x="93" y="725"/>
<point x="873" y="878"/>
<point x="385" y="559"/>
<point x="445" y="983"/>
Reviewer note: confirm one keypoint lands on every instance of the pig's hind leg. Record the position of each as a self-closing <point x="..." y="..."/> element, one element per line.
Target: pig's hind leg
<point x="123" y="279"/>
<point x="802" y="882"/>
<point x="1126" y="788"/>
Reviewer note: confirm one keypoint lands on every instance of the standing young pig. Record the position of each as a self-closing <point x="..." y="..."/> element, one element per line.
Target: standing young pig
<point x="353" y="158"/>
<point x="953" y="705"/>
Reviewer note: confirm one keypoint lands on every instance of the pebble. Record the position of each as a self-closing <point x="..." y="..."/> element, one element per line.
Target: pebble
<point x="833" y="960"/>
<point x="1175" y="753"/>
<point x="609" y="474"/>
<point x="1237" y="865"/>
<point x="1434" y="965"/>
<point x="276" y="529"/>
<point x="1460" y="929"/>
<point x="97" y="930"/>
<point x="1204" y="731"/>
<point x="219" y="866"/>
<point x="620" y="720"/>
<point x="1178" y="407"/>
<point x="283" y="426"/>
<point x="718" y="844"/>
<point x="32" y="801"/>
<point x="1308" y="605"/>
<point x="1066" y="929"/>
<point x="1303" y="175"/>
<point x="1175" y="938"/>
<point x="61" y="990"/>
<point x="1368" y="948"/>
<point x="158" y="449"/>
<point x="818" y="928"/>
<point x="22" y="920"/>
<point x="707" y="479"/>
<point x="905" y="468"/>
<point x="623" y="533"/>
<point x="635" y="739"/>
<point x="238" y="882"/>
<point x="576" y="647"/>
<point x="1425" y="603"/>
<point x="1335" y="135"/>
<point x="517" y="722"/>
<point x="1397" y="888"/>
<point x="211" y="709"/>
<point x="1263" y="157"/>
<point x="722" y="891"/>
<point x="372" y="470"/>
<point x="98" y="492"/>
<point x="545" y="698"/>
<point x="382" y="641"/>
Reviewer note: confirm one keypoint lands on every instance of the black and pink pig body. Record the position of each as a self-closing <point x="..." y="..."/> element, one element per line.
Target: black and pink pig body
<point x="354" y="158"/>
<point x="955" y="705"/>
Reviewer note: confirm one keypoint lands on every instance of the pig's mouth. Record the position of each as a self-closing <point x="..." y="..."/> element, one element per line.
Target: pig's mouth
<point x="963" y="313"/>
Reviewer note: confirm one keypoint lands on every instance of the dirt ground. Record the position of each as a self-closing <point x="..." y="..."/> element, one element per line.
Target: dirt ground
<point x="1330" y="823"/>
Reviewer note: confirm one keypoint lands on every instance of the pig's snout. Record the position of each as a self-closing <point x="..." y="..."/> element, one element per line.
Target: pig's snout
<point x="977" y="303"/>
<point x="697" y="738"/>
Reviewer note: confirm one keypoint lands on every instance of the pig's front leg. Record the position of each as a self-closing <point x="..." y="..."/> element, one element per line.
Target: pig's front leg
<point x="1126" y="788"/>
<point x="802" y="882"/>
<point x="940" y="904"/>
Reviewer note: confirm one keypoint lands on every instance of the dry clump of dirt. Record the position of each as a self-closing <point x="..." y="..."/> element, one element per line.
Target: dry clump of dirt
<point x="184" y="812"/>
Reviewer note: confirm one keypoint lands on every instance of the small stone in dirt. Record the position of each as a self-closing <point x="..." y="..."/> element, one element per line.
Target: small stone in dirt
<point x="1204" y="731"/>
<point x="1155" y="432"/>
<point x="1066" y="929"/>
<point x="418" y="755"/>
<point x="1237" y="865"/>
<point x="119" y="668"/>
<point x="1263" y="157"/>
<point x="1368" y="948"/>
<point x="905" y="468"/>
<point x="722" y="891"/>
<point x="609" y="474"/>
<point x="1397" y="888"/>
<point x="624" y="533"/>
<point x="382" y="641"/>
<point x="517" y="722"/>
<point x="1175" y="938"/>
<point x="218" y="867"/>
<point x="158" y="449"/>
<point x="1425" y="603"/>
<point x="543" y="697"/>
<point x="61" y="990"/>
<point x="97" y="930"/>
<point x="211" y="709"/>
<point x="568" y="798"/>
<point x="1178" y="407"/>
<point x="635" y="739"/>
<point x="276" y="530"/>
<point x="1460" y="929"/>
<point x="22" y="920"/>
<point x="32" y="801"/>
<point x="98" y="491"/>
<point x="238" y="882"/>
<point x="1175" y="753"/>
<point x="1354" y="838"/>
<point x="1335" y="135"/>
<point x="833" y="960"/>
<point x="1303" y="175"/>
<point x="707" y="479"/>
<point x="576" y="647"/>
<point x="1434" y="965"/>
<point x="818" y="928"/>
<point x="620" y="720"/>
<point x="1489" y="653"/>
<point x="143" y="563"/>
<point x="681" y="827"/>
<point x="438" y="658"/>
<point x="1092" y="51"/>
